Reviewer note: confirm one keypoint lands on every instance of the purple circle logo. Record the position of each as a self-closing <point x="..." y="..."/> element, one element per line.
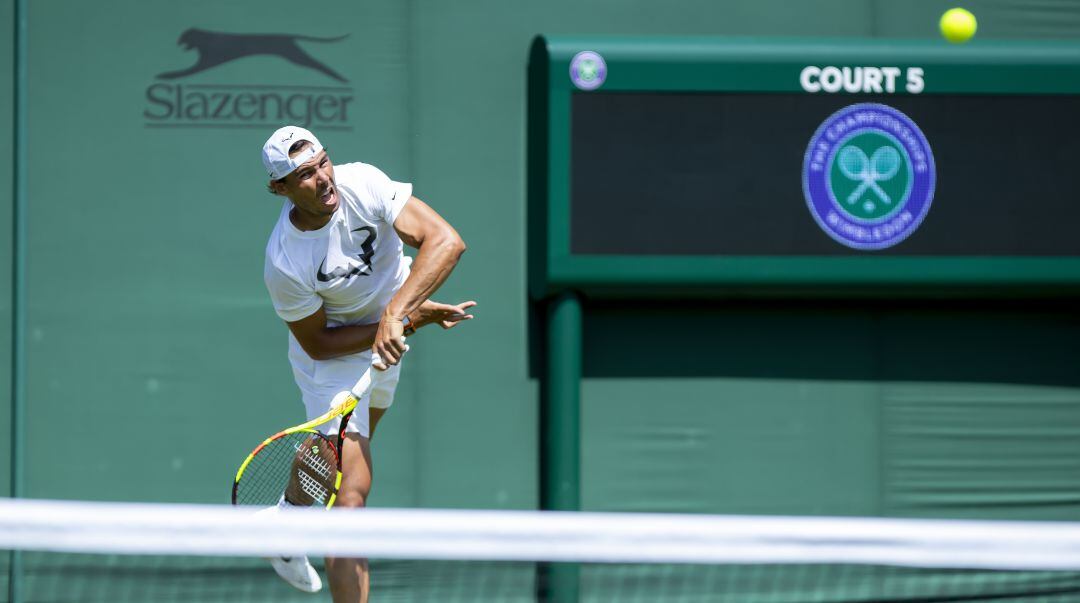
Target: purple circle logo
<point x="588" y="70"/>
<point x="868" y="176"/>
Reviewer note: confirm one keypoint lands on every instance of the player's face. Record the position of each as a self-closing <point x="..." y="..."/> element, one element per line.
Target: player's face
<point x="311" y="187"/>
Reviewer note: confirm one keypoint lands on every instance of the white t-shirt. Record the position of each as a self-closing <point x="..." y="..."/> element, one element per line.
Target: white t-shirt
<point x="352" y="266"/>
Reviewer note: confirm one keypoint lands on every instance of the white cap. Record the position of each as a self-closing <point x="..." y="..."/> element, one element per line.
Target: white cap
<point x="275" y="152"/>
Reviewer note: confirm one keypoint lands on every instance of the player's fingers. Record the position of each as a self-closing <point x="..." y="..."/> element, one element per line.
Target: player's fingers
<point x="466" y="305"/>
<point x="389" y="358"/>
<point x="398" y="345"/>
<point x="449" y="324"/>
<point x="457" y="317"/>
<point x="376" y="361"/>
<point x="385" y="352"/>
<point x="451" y="314"/>
<point x="379" y="365"/>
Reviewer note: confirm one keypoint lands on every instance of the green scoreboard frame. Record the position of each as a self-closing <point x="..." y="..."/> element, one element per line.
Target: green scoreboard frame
<point x="930" y="74"/>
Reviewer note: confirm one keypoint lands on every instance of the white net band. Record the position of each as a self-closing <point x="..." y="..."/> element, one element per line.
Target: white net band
<point x="131" y="528"/>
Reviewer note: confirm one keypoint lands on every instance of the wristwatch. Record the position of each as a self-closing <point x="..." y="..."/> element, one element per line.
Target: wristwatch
<point x="409" y="328"/>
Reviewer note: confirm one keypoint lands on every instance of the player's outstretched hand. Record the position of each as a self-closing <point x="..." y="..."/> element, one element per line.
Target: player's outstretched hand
<point x="445" y="315"/>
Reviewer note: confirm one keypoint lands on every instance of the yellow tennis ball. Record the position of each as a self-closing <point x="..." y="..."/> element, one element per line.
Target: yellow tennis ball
<point x="958" y="25"/>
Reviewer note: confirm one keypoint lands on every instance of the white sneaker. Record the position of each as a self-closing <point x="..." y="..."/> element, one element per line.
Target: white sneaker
<point x="298" y="572"/>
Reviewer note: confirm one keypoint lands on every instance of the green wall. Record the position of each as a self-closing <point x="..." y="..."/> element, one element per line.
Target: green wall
<point x="152" y="344"/>
<point x="950" y="409"/>
<point x="153" y="350"/>
<point x="7" y="14"/>
<point x="148" y="327"/>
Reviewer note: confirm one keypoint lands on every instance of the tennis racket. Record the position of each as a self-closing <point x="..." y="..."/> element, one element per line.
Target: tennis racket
<point x="300" y="461"/>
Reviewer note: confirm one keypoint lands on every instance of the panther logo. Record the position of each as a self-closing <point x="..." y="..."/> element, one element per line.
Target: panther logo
<point x="216" y="48"/>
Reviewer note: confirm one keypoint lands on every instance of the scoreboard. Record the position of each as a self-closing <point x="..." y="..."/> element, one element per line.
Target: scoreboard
<point x="764" y="166"/>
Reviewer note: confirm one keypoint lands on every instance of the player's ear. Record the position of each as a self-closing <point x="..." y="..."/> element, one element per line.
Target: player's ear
<point x="277" y="187"/>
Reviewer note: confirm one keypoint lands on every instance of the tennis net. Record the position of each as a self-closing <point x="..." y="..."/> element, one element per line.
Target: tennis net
<point x="116" y="552"/>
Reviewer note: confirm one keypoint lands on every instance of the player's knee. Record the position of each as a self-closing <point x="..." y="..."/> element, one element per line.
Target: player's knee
<point x="352" y="497"/>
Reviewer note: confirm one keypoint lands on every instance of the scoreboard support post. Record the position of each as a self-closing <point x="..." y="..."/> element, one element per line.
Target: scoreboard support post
<point x="560" y="441"/>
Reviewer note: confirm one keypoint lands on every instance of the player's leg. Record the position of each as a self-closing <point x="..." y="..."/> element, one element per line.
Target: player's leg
<point x="348" y="577"/>
<point x="317" y="396"/>
<point x="316" y="461"/>
<point x="374" y="414"/>
<point x="297" y="570"/>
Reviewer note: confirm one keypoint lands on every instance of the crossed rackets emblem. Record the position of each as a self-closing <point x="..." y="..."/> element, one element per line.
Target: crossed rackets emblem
<point x="589" y="70"/>
<point x="868" y="171"/>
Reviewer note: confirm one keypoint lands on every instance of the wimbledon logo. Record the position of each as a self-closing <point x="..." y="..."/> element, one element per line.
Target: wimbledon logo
<point x="868" y="176"/>
<point x="588" y="70"/>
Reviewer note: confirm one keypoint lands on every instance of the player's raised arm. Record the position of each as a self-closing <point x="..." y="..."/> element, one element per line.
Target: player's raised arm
<point x="439" y="247"/>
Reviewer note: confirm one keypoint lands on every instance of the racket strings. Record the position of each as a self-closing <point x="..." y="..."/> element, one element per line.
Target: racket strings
<point x="322" y="467"/>
<point x="300" y="465"/>
<point x="313" y="488"/>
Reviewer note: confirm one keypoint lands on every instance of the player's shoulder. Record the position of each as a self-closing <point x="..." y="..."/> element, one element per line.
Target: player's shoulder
<point x="364" y="187"/>
<point x="281" y="268"/>
<point x="278" y="234"/>
<point x="281" y="251"/>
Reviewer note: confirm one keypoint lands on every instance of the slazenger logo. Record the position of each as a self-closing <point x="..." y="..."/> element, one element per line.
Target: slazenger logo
<point x="248" y="104"/>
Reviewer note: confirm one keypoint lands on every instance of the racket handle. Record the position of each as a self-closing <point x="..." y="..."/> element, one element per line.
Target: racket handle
<point x="364" y="383"/>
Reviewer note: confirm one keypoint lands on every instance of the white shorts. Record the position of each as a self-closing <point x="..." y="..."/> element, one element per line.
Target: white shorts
<point x="320" y="380"/>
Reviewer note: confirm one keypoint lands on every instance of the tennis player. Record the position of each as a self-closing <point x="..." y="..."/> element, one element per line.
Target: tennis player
<point x="338" y="278"/>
